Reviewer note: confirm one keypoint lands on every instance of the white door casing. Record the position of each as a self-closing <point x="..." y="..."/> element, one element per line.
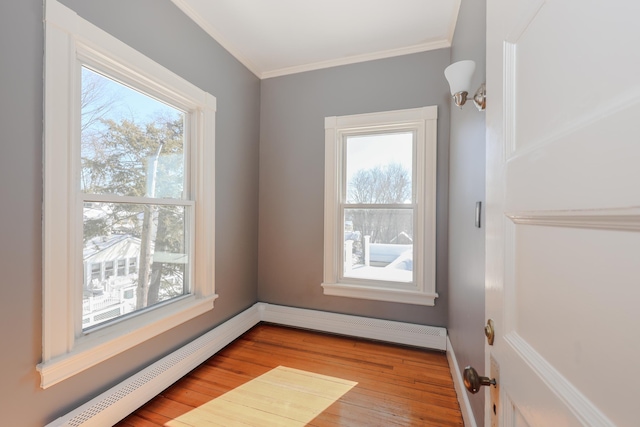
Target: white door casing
<point x="563" y="211"/>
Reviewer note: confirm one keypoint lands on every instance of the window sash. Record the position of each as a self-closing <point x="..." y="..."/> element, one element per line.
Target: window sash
<point x="376" y="131"/>
<point x="188" y="278"/>
<point x="343" y="196"/>
<point x="342" y="277"/>
<point x="112" y="71"/>
<point x="119" y="73"/>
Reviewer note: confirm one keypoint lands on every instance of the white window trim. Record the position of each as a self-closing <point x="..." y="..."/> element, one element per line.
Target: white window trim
<point x="424" y="122"/>
<point x="66" y="349"/>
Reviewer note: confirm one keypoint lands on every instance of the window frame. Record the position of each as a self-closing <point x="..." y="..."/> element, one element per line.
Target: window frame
<point x="422" y="121"/>
<point x="70" y="41"/>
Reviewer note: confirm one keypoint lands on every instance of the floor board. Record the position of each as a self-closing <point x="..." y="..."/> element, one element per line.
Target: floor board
<point x="278" y="376"/>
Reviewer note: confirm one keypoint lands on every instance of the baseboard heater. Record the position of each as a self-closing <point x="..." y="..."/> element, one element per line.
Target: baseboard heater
<point x="116" y="403"/>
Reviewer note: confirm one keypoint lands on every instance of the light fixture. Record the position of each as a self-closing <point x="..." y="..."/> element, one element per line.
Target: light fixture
<point x="459" y="76"/>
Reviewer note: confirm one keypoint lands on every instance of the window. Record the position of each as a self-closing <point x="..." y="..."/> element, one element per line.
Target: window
<point x="108" y="269"/>
<point x="129" y="194"/>
<point x="133" y="183"/>
<point x="121" y="267"/>
<point x="380" y="176"/>
<point x="133" y="266"/>
<point x="96" y="272"/>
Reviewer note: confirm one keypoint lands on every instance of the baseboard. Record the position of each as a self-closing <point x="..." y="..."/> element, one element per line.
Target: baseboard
<point x="124" y="398"/>
<point x="430" y="337"/>
<point x="116" y="403"/>
<point x="461" y="392"/>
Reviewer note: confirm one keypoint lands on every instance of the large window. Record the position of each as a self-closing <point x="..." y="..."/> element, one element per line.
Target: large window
<point x="134" y="190"/>
<point x="129" y="197"/>
<point x="380" y="206"/>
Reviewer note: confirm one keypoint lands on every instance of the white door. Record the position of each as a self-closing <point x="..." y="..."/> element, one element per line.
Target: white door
<point x="563" y="212"/>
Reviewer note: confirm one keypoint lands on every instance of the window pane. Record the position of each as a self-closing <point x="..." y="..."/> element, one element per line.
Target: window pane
<point x="152" y="238"/>
<point x="379" y="168"/>
<point x="121" y="267"/>
<point x="133" y="265"/>
<point x="108" y="269"/>
<point x="379" y="244"/>
<point x="131" y="144"/>
<point x="95" y="271"/>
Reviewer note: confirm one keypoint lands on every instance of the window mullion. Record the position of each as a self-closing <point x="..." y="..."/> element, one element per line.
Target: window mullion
<point x="111" y="198"/>
<point x="379" y="205"/>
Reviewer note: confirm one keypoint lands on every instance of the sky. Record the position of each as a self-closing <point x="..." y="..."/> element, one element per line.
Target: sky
<point x="368" y="151"/>
<point x="129" y="103"/>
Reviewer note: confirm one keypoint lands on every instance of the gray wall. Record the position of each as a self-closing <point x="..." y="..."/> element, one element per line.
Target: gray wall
<point x="159" y="30"/>
<point x="292" y="174"/>
<point x="466" y="186"/>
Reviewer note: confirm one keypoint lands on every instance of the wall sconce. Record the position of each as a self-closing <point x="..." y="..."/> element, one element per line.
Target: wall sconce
<point x="459" y="76"/>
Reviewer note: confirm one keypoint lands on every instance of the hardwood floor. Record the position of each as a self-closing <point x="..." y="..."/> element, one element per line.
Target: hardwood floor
<point x="274" y="375"/>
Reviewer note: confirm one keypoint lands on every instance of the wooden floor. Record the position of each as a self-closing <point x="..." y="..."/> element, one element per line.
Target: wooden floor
<point x="274" y="375"/>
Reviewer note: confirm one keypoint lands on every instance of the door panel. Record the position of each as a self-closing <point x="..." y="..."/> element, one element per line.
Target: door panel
<point x="568" y="63"/>
<point x="600" y="145"/>
<point x="563" y="210"/>
<point x="564" y="277"/>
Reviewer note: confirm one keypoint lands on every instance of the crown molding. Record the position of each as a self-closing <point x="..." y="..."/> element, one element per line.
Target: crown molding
<point x="423" y="47"/>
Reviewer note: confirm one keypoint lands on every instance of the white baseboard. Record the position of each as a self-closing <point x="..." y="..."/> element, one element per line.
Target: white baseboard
<point x="124" y="398"/>
<point x="430" y="337"/>
<point x="461" y="391"/>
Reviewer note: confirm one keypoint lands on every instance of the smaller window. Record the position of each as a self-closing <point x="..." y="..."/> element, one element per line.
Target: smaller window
<point x="380" y="172"/>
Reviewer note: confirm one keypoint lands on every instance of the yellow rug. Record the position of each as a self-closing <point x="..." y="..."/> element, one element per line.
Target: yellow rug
<point x="280" y="397"/>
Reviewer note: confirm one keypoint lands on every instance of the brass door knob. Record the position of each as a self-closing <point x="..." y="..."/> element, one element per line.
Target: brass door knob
<point x="473" y="381"/>
<point x="489" y="332"/>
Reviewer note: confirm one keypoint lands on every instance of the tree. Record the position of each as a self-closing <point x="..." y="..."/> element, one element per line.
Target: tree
<point x="128" y="159"/>
<point x="381" y="185"/>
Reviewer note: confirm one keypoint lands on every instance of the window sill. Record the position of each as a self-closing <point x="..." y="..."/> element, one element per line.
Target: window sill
<point x="379" y="293"/>
<point x="101" y="344"/>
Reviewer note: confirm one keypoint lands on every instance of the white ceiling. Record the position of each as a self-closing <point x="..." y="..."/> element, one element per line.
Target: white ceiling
<point x="278" y="37"/>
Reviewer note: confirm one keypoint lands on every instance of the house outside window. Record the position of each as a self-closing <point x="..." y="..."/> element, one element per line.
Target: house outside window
<point x="129" y="187"/>
<point x="380" y="176"/>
